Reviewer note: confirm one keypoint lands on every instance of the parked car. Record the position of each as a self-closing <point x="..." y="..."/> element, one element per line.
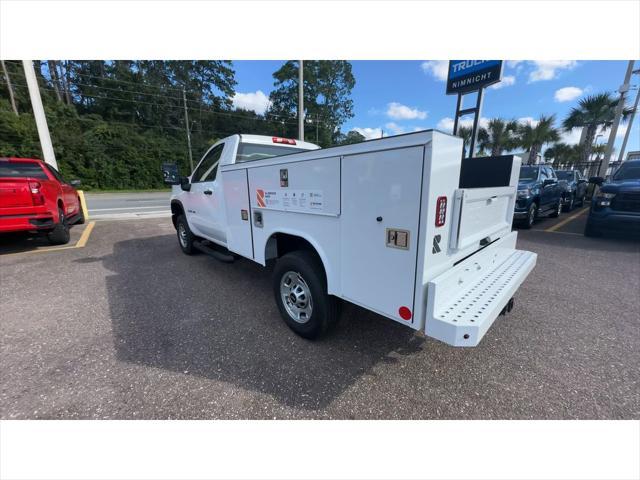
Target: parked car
<point x="576" y="188"/>
<point x="35" y="197"/>
<point x="539" y="192"/>
<point x="616" y="206"/>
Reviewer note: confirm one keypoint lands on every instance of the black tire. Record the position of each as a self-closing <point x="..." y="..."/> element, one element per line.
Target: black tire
<point x="60" y="234"/>
<point x="532" y="215"/>
<point x="569" y="206"/>
<point x="556" y="212"/>
<point x="324" y="311"/>
<point x="185" y="237"/>
<point x="80" y="219"/>
<point x="590" y="231"/>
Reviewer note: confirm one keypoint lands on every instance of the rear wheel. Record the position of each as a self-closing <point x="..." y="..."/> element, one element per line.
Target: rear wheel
<point x="300" y="289"/>
<point x="60" y="234"/>
<point x="185" y="237"/>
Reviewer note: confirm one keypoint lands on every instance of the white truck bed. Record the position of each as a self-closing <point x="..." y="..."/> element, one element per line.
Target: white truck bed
<point x="369" y="211"/>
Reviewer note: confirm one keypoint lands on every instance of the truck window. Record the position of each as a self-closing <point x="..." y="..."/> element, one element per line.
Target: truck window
<point x="628" y="171"/>
<point x="22" y="169"/>
<point x="206" y="171"/>
<point x="248" y="152"/>
<point x="528" y="173"/>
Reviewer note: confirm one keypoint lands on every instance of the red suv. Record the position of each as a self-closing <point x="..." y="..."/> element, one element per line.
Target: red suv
<point x="35" y="197"/>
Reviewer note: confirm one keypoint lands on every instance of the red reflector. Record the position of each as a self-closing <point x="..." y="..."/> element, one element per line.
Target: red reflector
<point x="441" y="211"/>
<point x="405" y="313"/>
<point x="287" y="141"/>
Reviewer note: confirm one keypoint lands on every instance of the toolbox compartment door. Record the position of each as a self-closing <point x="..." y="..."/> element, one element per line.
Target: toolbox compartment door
<point x="236" y="196"/>
<point x="380" y="199"/>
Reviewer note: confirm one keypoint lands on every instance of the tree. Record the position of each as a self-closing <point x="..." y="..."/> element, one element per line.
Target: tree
<point x="563" y="155"/>
<point x="465" y="134"/>
<point x="592" y="112"/>
<point x="533" y="138"/>
<point x="498" y="136"/>
<point x="327" y="89"/>
<point x="350" y="138"/>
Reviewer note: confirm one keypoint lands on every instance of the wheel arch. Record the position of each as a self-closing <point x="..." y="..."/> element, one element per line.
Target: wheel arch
<point x="282" y="242"/>
<point x="176" y="210"/>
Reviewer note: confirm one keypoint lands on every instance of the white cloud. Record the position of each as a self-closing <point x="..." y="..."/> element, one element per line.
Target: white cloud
<point x="394" y="128"/>
<point x="514" y="63"/>
<point x="446" y="124"/>
<point x="566" y="94"/>
<point x="572" y="137"/>
<point x="369" y="133"/>
<point x="397" y="111"/>
<point x="507" y="81"/>
<point x="256" y="101"/>
<point x="548" y="69"/>
<point x="527" y="120"/>
<point x="438" y="68"/>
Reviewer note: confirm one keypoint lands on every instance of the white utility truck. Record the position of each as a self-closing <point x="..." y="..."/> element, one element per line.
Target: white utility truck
<point x="401" y="226"/>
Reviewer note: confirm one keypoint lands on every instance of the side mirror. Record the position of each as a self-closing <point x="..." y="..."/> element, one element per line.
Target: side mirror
<point x="597" y="180"/>
<point x="185" y="184"/>
<point x="75" y="183"/>
<point x="548" y="181"/>
<point x="170" y="174"/>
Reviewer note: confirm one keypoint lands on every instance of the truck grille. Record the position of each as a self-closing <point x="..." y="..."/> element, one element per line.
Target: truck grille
<point x="626" y="202"/>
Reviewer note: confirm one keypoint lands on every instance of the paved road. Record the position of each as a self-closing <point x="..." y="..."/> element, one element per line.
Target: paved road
<point x="115" y="206"/>
<point x="129" y="327"/>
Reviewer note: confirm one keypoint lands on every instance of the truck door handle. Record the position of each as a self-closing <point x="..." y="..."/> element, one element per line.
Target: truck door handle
<point x="207" y="192"/>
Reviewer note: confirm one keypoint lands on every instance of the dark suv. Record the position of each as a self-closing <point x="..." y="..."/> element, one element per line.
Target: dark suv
<point x="575" y="190"/>
<point x="539" y="192"/>
<point x="616" y="206"/>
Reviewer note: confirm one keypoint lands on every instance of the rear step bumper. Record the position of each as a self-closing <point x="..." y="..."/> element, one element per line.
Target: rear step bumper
<point x="465" y="301"/>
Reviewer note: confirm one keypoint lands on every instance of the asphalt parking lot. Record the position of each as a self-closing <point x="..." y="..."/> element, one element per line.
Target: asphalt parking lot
<point x="126" y="326"/>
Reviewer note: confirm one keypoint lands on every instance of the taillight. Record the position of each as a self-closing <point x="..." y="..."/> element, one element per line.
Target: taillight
<point x="36" y="196"/>
<point x="286" y="141"/>
<point x="441" y="211"/>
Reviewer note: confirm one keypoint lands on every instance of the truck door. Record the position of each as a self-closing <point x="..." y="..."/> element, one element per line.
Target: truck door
<point x="380" y="209"/>
<point x="549" y="192"/>
<point x="205" y="206"/>
<point x="69" y="196"/>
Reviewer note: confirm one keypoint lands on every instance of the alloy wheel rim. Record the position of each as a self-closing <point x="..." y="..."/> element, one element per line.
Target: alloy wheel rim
<point x="182" y="235"/>
<point x="296" y="296"/>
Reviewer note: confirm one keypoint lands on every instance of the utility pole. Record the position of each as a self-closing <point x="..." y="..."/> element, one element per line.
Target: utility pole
<point x="10" y="87"/>
<point x="300" y="101"/>
<point x="186" y="124"/>
<point x="633" y="114"/>
<point x="624" y="88"/>
<point x="38" y="113"/>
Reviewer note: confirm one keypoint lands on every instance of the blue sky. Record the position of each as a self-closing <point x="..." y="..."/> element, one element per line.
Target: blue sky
<point x="400" y="96"/>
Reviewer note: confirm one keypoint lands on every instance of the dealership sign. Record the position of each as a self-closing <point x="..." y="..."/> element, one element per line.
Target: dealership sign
<point x="471" y="75"/>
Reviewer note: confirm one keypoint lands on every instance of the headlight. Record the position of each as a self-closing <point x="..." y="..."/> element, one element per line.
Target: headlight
<point x="604" y="199"/>
<point x="525" y="192"/>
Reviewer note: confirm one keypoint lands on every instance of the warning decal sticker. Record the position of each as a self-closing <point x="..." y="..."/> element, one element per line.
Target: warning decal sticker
<point x="291" y="200"/>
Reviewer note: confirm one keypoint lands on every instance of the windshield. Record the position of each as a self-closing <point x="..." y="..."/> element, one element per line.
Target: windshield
<point x="248" y="152"/>
<point x="528" y="174"/>
<point x="628" y="171"/>
<point x="564" y="175"/>
<point x="21" y="169"/>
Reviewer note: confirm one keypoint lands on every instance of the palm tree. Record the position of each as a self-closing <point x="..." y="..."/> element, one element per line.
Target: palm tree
<point x="563" y="155"/>
<point x="498" y="136"/>
<point x="592" y="112"/>
<point x="465" y="134"/>
<point x="533" y="138"/>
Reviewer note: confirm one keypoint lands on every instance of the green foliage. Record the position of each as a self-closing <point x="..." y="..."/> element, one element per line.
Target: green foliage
<point x="532" y="137"/>
<point x="327" y="102"/>
<point x="350" y="138"/>
<point x="499" y="136"/>
<point x="113" y="123"/>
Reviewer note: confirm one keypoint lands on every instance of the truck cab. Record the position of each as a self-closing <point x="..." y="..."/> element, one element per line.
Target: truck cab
<point x="200" y="197"/>
<point x="539" y="193"/>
